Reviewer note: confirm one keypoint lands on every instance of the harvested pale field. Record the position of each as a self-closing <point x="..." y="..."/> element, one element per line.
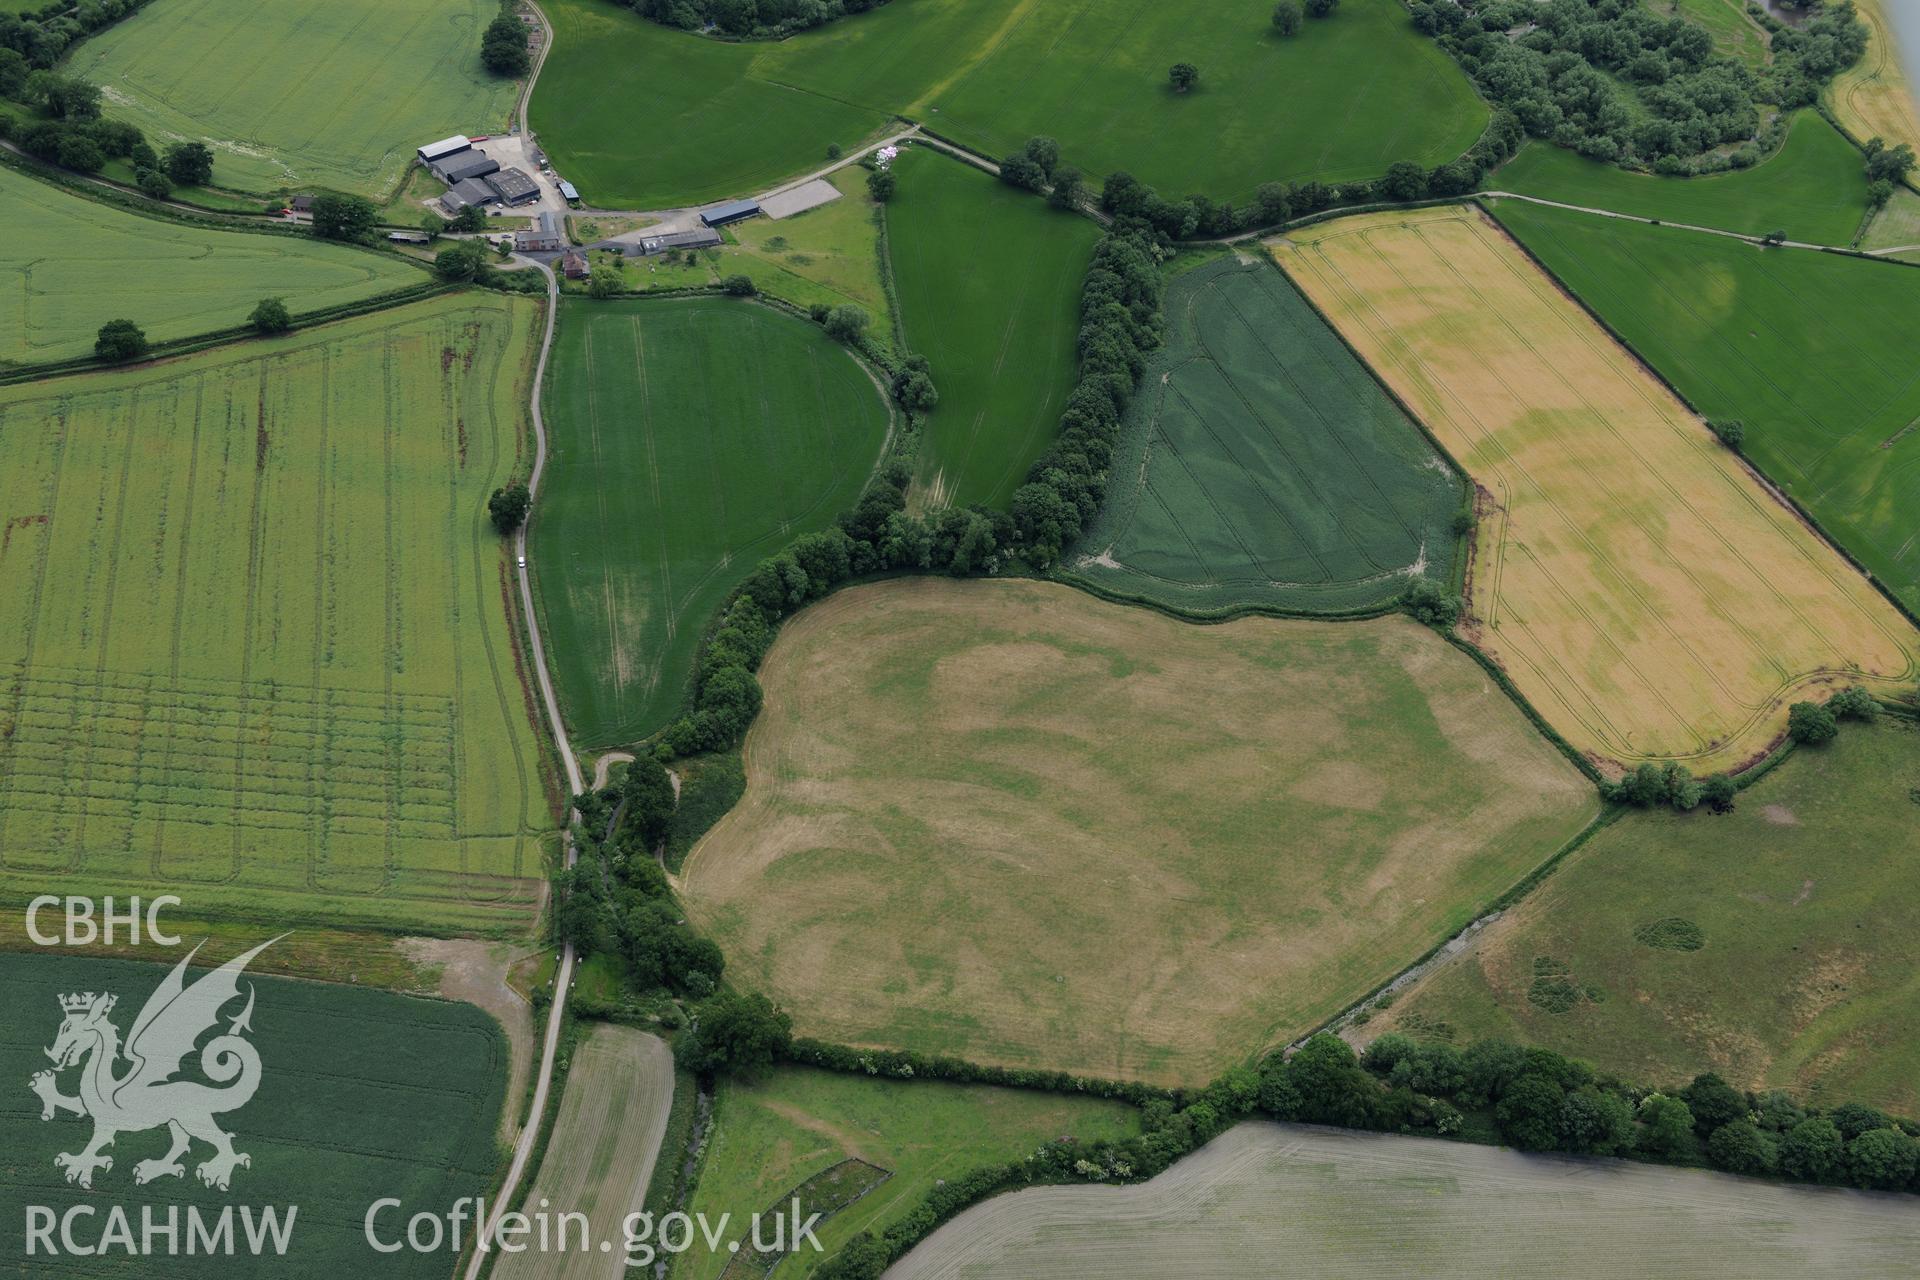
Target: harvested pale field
<point x="1268" y="1199"/>
<point x="1874" y="97"/>
<point x="1008" y="821"/>
<point x="600" y="1155"/>
<point x="1637" y="582"/>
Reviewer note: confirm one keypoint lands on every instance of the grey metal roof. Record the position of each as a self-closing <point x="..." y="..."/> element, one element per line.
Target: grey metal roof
<point x="513" y="186"/>
<point x="732" y="211"/>
<point x="464" y="166"/>
<point x="472" y="191"/>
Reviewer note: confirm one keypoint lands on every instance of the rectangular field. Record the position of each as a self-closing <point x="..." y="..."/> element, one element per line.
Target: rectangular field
<point x="689" y="438"/>
<point x="1822" y="898"/>
<point x="333" y="95"/>
<point x="70" y="265"/>
<point x="260" y="651"/>
<point x="1811" y="351"/>
<point x="1636" y="582"/>
<point x="989" y="284"/>
<point x="1340" y="101"/>
<point x="1814" y="188"/>
<point x="362" y="1095"/>
<point x="1262" y="467"/>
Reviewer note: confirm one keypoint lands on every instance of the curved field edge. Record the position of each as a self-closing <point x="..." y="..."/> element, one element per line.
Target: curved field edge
<point x="1353" y="1202"/>
<point x="1875" y="96"/>
<point x="671" y="475"/>
<point x="1515" y="378"/>
<point x="1261" y="443"/>
<point x="985" y="922"/>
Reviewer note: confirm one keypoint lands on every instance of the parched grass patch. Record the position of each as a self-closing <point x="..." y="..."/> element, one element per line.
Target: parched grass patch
<point x="362" y="1094"/>
<point x="71" y="264"/>
<point x="867" y="1149"/>
<point x="989" y="280"/>
<point x="1261" y="466"/>
<point x="1809" y="350"/>
<point x="1814" y="188"/>
<point x="1340" y="101"/>
<point x="691" y="437"/>
<point x="257" y="649"/>
<point x="1637" y="583"/>
<point x="334" y="95"/>
<point x="1011" y="822"/>
<point x="1806" y="903"/>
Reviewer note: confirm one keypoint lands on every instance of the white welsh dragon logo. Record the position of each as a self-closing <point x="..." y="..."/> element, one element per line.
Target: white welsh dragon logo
<point x="146" y="1096"/>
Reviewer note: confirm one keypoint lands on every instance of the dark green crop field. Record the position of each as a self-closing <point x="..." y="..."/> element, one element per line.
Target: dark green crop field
<point x="645" y="117"/>
<point x="689" y="438"/>
<point x="1263" y="467"/>
<point x="989" y="286"/>
<point x="1812" y="351"/>
<point x="1814" y="188"/>
<point x="362" y="1095"/>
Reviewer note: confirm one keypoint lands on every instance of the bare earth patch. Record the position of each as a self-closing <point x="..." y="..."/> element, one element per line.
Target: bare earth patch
<point x="476" y="972"/>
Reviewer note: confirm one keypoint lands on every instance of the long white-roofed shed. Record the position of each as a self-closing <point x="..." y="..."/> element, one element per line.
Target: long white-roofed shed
<point x="445" y="147"/>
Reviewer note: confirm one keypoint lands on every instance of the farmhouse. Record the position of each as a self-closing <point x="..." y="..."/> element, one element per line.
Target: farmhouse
<point x="574" y="265"/>
<point x="470" y="191"/>
<point x="513" y="187"/>
<point x="468" y="164"/>
<point x="436" y="151"/>
<point x="702" y="238"/>
<point x="732" y="211"/>
<point x="544" y="237"/>
<point x="301" y="204"/>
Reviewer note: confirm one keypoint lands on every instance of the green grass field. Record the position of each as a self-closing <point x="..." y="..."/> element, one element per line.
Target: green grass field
<point x="72" y="264"/>
<point x="363" y="1094"/>
<point x="1342" y="100"/>
<point x="689" y="438"/>
<point x="1734" y="33"/>
<point x="258" y="650"/>
<point x="335" y="95"/>
<point x="1897" y="224"/>
<point x="1812" y="351"/>
<point x="988" y="279"/>
<point x="1262" y="467"/>
<point x="1814" y="188"/>
<point x="773" y="1134"/>
<point x="1807" y="902"/>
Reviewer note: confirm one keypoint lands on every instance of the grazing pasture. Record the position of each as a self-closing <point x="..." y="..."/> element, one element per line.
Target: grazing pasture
<point x="1342" y="100"/>
<point x="1875" y="96"/>
<point x="334" y="95"/>
<point x="1814" y="188"/>
<point x="1635" y="581"/>
<point x="689" y="438"/>
<point x="1816" y="898"/>
<point x="362" y="1094"/>
<point x="1812" y="351"/>
<point x="989" y="284"/>
<point x="1011" y="822"/>
<point x="71" y="264"/>
<point x="258" y="648"/>
<point x="1339" y="1203"/>
<point x="792" y="1128"/>
<point x="601" y="1152"/>
<point x="1262" y="467"/>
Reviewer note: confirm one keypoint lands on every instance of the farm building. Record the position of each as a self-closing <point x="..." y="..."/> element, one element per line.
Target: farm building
<point x="574" y="265"/>
<point x="513" y="187"/>
<point x="702" y="238"/>
<point x="471" y="191"/>
<point x="408" y="237"/>
<point x="468" y="164"/>
<point x="435" y="151"/>
<point x="569" y="192"/>
<point x="544" y="237"/>
<point x="732" y="211"/>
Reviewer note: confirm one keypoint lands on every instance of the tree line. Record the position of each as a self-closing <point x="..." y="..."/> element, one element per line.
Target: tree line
<point x="748" y="19"/>
<point x="41" y="37"/>
<point x="72" y="133"/>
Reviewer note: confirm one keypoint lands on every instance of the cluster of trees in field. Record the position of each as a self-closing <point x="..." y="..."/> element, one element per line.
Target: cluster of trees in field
<point x="43" y="35"/>
<point x="72" y="132"/>
<point x="503" y="45"/>
<point x="748" y="19"/>
<point x="1615" y="81"/>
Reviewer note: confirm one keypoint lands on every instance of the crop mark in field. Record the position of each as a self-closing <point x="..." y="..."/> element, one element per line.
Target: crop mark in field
<point x="11" y="741"/>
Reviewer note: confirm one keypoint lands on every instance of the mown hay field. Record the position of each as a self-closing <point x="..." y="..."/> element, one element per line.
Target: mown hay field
<point x="988" y="279"/>
<point x="1785" y="965"/>
<point x="72" y="264"/>
<point x="1014" y="823"/>
<point x="1812" y="351"/>
<point x="1342" y="100"/>
<point x="1638" y="584"/>
<point x="363" y="1094"/>
<point x="1262" y="467"/>
<point x="259" y="651"/>
<point x="1340" y="1203"/>
<point x="792" y="1127"/>
<point x="601" y="1152"/>
<point x="689" y="438"/>
<point x="1814" y="188"/>
<point x="1875" y="96"/>
<point x="335" y="95"/>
